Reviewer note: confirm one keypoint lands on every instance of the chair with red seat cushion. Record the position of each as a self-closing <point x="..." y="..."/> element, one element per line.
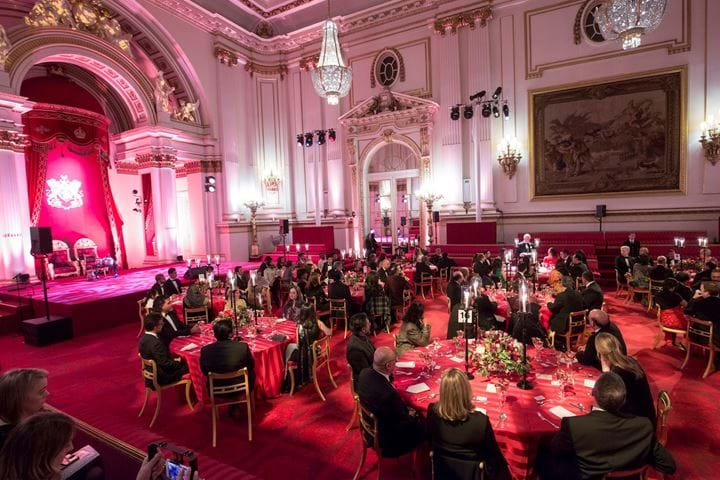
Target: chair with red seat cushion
<point x="59" y="264"/>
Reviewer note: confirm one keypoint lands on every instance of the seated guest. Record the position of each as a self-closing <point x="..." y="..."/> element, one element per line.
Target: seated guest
<point x="484" y="312"/>
<point x="302" y="280"/>
<point x="286" y="276"/>
<point x="577" y="265"/>
<point x="23" y="392"/>
<point x="480" y="267"/>
<point x="551" y="258"/>
<point x="525" y="327"/>
<point x="454" y="290"/>
<point x="564" y="262"/>
<point x="671" y="305"/>
<point x="446" y="262"/>
<point x="461" y="435"/>
<point x="633" y="245"/>
<point x="705" y="305"/>
<point x="338" y="290"/>
<point x="225" y="355"/>
<point x="172" y="284"/>
<point x="195" y="296"/>
<point x="151" y="347"/>
<point x="704" y="276"/>
<point x="310" y="329"/>
<point x="37" y="447"/>
<point x="604" y="440"/>
<point x="294" y="304"/>
<point x="378" y="307"/>
<point x="639" y="277"/>
<point x="715" y="276"/>
<point x="413" y="332"/>
<point x="399" y="429"/>
<point x="422" y="267"/>
<point x="660" y="271"/>
<point x="315" y="290"/>
<point x="435" y="258"/>
<point x="623" y="264"/>
<point x="172" y="327"/>
<point x="322" y="264"/>
<point x="683" y="289"/>
<point x="396" y="285"/>
<point x="638" y="399"/>
<point x="360" y="349"/>
<point x="150" y="297"/>
<point x="568" y="300"/>
<point x="160" y="282"/>
<point x="592" y="294"/>
<point x="587" y="354"/>
<point x="556" y="275"/>
<point x="261" y="269"/>
<point x="241" y="278"/>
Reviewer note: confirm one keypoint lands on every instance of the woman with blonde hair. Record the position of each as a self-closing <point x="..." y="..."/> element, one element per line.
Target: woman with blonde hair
<point x="22" y="393"/>
<point x="638" y="400"/>
<point x="461" y="435"/>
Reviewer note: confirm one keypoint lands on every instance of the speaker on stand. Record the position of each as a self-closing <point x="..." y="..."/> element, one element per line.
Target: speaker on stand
<point x="436" y="222"/>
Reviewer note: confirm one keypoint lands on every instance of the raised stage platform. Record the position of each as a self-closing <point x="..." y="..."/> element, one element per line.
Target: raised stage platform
<point x="98" y="304"/>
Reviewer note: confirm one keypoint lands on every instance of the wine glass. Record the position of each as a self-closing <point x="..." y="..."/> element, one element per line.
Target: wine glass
<point x="538" y="344"/>
<point x="562" y="377"/>
<point x="501" y="385"/>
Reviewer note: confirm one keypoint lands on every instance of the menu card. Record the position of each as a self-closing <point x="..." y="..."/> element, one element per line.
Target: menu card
<point x="418" y="388"/>
<point x="561" y="412"/>
<point x="405" y="364"/>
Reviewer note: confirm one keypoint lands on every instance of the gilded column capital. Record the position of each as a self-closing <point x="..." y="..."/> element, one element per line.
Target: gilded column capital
<point x="226" y="57"/>
<point x="253" y="68"/>
<point x="157" y="157"/>
<point x="13" y="141"/>
<point x="470" y="18"/>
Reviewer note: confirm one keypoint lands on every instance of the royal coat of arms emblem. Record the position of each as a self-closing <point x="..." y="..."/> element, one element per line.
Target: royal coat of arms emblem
<point x="64" y="193"/>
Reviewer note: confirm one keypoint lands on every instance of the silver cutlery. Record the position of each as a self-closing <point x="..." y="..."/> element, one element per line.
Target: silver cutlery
<point x="547" y="420"/>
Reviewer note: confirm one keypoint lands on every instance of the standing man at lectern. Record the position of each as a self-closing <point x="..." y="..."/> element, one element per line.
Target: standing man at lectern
<point x="526" y="247"/>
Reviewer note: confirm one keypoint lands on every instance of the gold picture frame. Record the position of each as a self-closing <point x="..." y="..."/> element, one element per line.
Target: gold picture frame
<point x="610" y="136"/>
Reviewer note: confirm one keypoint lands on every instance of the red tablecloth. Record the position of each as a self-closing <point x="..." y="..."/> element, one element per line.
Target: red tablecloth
<point x="217" y="305"/>
<point x="269" y="357"/>
<point x="519" y="435"/>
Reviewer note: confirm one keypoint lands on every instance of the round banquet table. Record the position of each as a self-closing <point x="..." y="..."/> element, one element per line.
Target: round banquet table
<point x="503" y="306"/>
<point x="269" y="356"/>
<point x="217" y="305"/>
<point x="521" y="433"/>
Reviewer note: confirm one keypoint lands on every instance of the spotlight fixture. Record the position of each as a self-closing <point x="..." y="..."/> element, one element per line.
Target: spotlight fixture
<point x="331" y="134"/>
<point x="468" y="112"/>
<point x="477" y="96"/>
<point x="486" y="110"/>
<point x="506" y="111"/>
<point x="308" y="139"/>
<point x="455" y="112"/>
<point x="210" y="184"/>
<point x="300" y="140"/>
<point x="496" y="93"/>
<point x="495" y="111"/>
<point x="320" y="137"/>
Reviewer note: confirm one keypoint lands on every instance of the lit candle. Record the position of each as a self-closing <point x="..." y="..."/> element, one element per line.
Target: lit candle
<point x="189" y="262"/>
<point x="342" y="252"/>
<point x="475" y="286"/>
<point x="297" y="247"/>
<point x="287" y="248"/>
<point x="217" y="259"/>
<point x="208" y="259"/>
<point x="517" y="242"/>
<point x="523" y="296"/>
<point x="259" y="300"/>
<point x="537" y="242"/>
<point x="307" y="247"/>
<point x="466" y="294"/>
<point x="350" y="252"/>
<point x="534" y="256"/>
<point x="253" y="274"/>
<point x="364" y="252"/>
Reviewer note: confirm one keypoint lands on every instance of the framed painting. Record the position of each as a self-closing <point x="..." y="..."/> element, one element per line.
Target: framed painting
<point x="618" y="136"/>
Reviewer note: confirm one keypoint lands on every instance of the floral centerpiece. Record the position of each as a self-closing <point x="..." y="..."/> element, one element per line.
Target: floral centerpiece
<point x="351" y="278"/>
<point x="496" y="352"/>
<point x="241" y="312"/>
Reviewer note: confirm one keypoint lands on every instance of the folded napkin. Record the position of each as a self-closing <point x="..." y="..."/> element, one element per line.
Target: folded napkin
<point x="589" y="383"/>
<point x="491" y="388"/>
<point x="481" y="399"/>
<point x="280" y="320"/>
<point x="561" y="412"/>
<point x="457" y="359"/>
<point x="405" y="364"/>
<point x="543" y="376"/>
<point x="418" y="388"/>
<point x="539" y="398"/>
<point x="187" y="347"/>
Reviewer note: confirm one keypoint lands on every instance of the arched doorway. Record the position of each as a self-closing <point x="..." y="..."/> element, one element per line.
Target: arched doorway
<point x="393" y="177"/>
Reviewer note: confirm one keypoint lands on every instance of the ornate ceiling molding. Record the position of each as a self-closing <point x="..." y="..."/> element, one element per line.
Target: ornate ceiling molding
<point x="310" y="62"/>
<point x="226" y="57"/>
<point x="388" y="109"/>
<point x="470" y="18"/>
<point x="157" y="157"/>
<point x="197" y="166"/>
<point x="253" y="68"/>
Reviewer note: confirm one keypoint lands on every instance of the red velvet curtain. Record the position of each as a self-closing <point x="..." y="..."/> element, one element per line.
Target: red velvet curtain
<point x="67" y="168"/>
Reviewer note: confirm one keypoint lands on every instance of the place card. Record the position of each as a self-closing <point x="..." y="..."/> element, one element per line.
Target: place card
<point x="589" y="383"/>
<point x="280" y="320"/>
<point x="481" y="399"/>
<point x="457" y="359"/>
<point x="555" y="383"/>
<point x="405" y="364"/>
<point x="561" y="412"/>
<point x="187" y="347"/>
<point x="539" y="398"/>
<point x="543" y="376"/>
<point x="491" y="388"/>
<point x="418" y="388"/>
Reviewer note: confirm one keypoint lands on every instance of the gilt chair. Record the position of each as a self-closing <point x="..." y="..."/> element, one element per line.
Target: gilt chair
<point x="576" y="329"/>
<point x="700" y="335"/>
<point x="236" y="392"/>
<point x="338" y="311"/>
<point x="149" y="373"/>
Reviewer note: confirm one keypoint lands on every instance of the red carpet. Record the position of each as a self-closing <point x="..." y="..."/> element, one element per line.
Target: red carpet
<point x="96" y="378"/>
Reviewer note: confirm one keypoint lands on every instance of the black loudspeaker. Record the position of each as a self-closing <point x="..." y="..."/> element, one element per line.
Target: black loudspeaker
<point x="436" y="217"/>
<point x="179" y="258"/>
<point x="403" y="221"/>
<point x="284" y="226"/>
<point x="600" y="211"/>
<point x="40" y="240"/>
<point x="41" y="331"/>
<point x="386" y="221"/>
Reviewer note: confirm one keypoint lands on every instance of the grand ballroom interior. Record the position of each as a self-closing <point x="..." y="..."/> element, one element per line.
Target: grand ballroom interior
<point x="449" y="239"/>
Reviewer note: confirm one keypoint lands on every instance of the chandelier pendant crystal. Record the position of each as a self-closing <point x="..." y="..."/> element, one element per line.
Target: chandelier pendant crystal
<point x="629" y="20"/>
<point x="331" y="78"/>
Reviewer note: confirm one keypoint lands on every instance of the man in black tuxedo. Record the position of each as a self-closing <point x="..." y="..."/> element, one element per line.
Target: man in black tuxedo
<point x="704" y="275"/>
<point x="226" y="355"/>
<point x="338" y="290"/>
<point x="587" y="355"/>
<point x="568" y="300"/>
<point x="360" y="349"/>
<point x="633" y="245"/>
<point x="151" y="347"/>
<point x="384" y="270"/>
<point x="399" y="429"/>
<point x="623" y="264"/>
<point x="172" y="284"/>
<point x="172" y="327"/>
<point x="705" y="305"/>
<point x="525" y="248"/>
<point x="592" y="294"/>
<point x="422" y="266"/>
<point x="160" y="283"/>
<point x="660" y="272"/>
<point x="454" y="289"/>
<point x="446" y="262"/>
<point x="590" y="446"/>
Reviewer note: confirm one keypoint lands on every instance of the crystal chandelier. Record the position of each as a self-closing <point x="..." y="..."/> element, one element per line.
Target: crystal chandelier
<point x="331" y="78"/>
<point x="629" y="20"/>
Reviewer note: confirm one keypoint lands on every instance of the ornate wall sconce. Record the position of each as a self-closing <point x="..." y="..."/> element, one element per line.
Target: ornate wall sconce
<point x="509" y="156"/>
<point x="710" y="139"/>
<point x="253" y="205"/>
<point x="428" y="196"/>
<point x="272" y="182"/>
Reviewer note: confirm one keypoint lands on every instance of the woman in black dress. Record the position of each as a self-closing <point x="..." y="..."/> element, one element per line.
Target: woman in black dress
<point x="315" y="290"/>
<point x="638" y="400"/>
<point x="461" y="435"/>
<point x="294" y="304"/>
<point x="309" y="330"/>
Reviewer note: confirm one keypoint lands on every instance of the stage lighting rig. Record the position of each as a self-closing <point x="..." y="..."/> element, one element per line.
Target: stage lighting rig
<point x="300" y="140"/>
<point x="491" y="106"/>
<point x="468" y="112"/>
<point x="308" y="139"/>
<point x="477" y="96"/>
<point x="331" y="134"/>
<point x="455" y="112"/>
<point x="320" y="137"/>
<point x="210" y="184"/>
